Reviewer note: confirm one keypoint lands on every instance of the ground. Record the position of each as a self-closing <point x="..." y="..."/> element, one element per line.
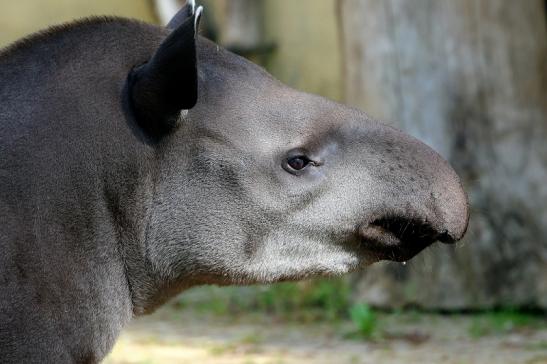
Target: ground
<point x="189" y="336"/>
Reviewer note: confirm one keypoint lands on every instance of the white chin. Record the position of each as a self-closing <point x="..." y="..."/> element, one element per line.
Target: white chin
<point x="283" y="269"/>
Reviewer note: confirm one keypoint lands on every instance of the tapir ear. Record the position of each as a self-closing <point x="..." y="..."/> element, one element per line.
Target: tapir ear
<point x="180" y="17"/>
<point x="167" y="85"/>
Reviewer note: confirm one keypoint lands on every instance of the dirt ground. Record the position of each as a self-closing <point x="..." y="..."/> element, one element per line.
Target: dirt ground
<point x="171" y="336"/>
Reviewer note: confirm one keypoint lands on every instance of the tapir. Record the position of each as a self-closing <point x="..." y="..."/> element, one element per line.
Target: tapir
<point x="137" y="161"/>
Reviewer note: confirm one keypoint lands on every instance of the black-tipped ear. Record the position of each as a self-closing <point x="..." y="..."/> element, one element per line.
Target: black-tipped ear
<point x="180" y="17"/>
<point x="168" y="83"/>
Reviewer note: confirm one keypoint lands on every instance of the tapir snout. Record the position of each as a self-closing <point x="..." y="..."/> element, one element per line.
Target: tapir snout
<point x="420" y="199"/>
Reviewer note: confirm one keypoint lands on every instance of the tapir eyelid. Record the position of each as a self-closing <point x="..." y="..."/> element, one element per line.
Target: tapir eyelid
<point x="298" y="161"/>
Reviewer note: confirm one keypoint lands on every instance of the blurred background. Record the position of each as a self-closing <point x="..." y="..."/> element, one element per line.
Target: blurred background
<point x="469" y="78"/>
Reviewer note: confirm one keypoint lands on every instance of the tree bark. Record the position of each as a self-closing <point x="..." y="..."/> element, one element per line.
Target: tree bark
<point x="469" y="78"/>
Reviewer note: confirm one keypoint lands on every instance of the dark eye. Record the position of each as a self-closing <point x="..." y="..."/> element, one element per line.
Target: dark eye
<point x="298" y="162"/>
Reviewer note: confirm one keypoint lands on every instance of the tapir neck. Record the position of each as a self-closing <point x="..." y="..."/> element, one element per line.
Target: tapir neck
<point x="130" y="206"/>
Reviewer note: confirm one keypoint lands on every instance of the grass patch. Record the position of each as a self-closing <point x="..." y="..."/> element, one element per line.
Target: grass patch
<point x="324" y="299"/>
<point x="219" y="350"/>
<point x="252" y="339"/>
<point x="329" y="300"/>
<point x="539" y="345"/>
<point x="365" y="320"/>
<point x="503" y="321"/>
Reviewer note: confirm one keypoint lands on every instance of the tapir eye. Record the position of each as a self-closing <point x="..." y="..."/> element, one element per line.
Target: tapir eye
<point x="298" y="162"/>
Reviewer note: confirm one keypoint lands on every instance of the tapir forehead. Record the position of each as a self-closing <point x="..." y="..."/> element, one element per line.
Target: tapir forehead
<point x="242" y="102"/>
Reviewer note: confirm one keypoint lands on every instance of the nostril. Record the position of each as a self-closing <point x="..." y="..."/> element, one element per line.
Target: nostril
<point x="409" y="231"/>
<point x="446" y="238"/>
<point x="398" y="238"/>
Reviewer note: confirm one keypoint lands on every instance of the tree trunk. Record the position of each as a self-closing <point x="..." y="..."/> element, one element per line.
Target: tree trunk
<point x="469" y="78"/>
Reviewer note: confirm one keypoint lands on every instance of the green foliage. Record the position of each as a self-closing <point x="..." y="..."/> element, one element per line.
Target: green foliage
<point x="323" y="299"/>
<point x="502" y="321"/>
<point x="329" y="300"/>
<point x="365" y="320"/>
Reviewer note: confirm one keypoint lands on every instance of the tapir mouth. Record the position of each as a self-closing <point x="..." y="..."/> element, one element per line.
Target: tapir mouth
<point x="399" y="239"/>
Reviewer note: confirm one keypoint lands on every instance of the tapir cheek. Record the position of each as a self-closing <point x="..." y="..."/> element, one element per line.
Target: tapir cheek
<point x="301" y="186"/>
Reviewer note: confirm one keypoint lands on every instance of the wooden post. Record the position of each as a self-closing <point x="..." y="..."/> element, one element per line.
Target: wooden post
<point x="468" y="77"/>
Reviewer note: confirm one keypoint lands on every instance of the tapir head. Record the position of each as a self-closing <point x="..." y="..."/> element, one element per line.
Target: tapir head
<point x="257" y="182"/>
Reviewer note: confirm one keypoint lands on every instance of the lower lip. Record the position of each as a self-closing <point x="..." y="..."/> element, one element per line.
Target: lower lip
<point x="391" y="249"/>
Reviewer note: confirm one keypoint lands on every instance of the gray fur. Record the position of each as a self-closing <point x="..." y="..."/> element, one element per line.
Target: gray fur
<point x="103" y="220"/>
